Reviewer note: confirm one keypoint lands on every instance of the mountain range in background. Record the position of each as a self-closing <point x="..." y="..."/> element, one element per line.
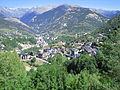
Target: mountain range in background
<point x="19" y="12"/>
<point x="13" y="12"/>
<point x="1" y="15"/>
<point x="56" y="19"/>
<point x="107" y="13"/>
<point x="64" y="19"/>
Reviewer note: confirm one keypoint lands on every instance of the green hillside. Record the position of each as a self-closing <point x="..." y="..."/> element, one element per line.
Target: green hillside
<point x="12" y="33"/>
<point x="67" y="19"/>
<point x="10" y="27"/>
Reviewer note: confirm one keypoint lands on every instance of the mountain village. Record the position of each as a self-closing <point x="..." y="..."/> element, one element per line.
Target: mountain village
<point x="44" y="53"/>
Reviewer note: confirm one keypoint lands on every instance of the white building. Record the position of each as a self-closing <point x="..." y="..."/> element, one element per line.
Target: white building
<point x="41" y="42"/>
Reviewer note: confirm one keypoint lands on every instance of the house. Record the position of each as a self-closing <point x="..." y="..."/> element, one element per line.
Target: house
<point x="40" y="55"/>
<point x="23" y="56"/>
<point x="41" y="50"/>
<point x="32" y="53"/>
<point x="74" y="51"/>
<point x="90" y="50"/>
<point x="41" y="42"/>
<point x="48" y="50"/>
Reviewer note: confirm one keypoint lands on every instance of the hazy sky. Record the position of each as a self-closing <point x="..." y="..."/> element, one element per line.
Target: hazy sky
<point x="98" y="4"/>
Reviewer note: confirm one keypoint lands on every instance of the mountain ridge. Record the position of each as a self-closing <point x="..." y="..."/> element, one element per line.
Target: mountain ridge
<point x="64" y="17"/>
<point x="107" y="13"/>
<point x="19" y="12"/>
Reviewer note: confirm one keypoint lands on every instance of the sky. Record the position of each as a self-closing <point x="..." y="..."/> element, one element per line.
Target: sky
<point x="97" y="4"/>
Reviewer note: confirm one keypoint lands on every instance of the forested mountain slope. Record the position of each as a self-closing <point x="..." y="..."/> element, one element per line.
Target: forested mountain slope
<point x="67" y="19"/>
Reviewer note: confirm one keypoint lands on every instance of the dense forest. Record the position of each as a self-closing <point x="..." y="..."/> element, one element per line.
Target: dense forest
<point x="99" y="72"/>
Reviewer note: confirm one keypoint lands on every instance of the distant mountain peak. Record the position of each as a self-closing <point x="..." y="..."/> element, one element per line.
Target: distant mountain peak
<point x="13" y="12"/>
<point x="42" y="9"/>
<point x="66" y="17"/>
<point x="107" y="13"/>
<point x="70" y="5"/>
<point x="67" y="6"/>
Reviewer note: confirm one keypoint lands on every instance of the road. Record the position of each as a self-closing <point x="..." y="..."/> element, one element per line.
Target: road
<point x="44" y="61"/>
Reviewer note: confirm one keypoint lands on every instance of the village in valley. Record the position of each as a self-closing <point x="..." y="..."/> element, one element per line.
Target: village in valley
<point x="44" y="50"/>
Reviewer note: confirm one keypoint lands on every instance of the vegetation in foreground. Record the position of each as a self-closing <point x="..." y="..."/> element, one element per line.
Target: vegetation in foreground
<point x="99" y="72"/>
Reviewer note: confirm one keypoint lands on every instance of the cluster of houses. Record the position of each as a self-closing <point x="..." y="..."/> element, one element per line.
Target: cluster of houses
<point x="41" y="42"/>
<point x="90" y="48"/>
<point x="73" y="52"/>
<point x="68" y="52"/>
<point x="25" y="46"/>
<point x="42" y="53"/>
